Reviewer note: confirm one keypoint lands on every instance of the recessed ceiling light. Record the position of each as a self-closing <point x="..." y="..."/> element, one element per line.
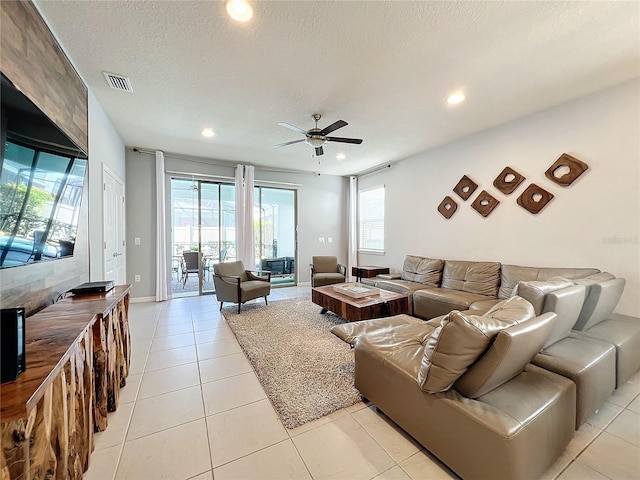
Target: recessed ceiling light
<point x="208" y="132"/>
<point x="455" y="98"/>
<point x="341" y="156"/>
<point x="239" y="10"/>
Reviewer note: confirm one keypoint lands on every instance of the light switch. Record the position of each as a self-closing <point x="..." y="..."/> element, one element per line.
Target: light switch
<point x="137" y="240"/>
<point x="321" y="239"/>
<point x="137" y="278"/>
<point x="329" y="239"/>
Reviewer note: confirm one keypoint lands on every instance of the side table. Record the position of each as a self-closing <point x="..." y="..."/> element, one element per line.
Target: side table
<point x="367" y="272"/>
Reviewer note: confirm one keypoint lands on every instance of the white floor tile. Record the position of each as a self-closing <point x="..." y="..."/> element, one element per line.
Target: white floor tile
<point x="231" y="392"/>
<point x="280" y="461"/>
<point x="218" y="349"/>
<point x="117" y="425"/>
<point x="172" y="341"/>
<point x="223" y="367"/>
<point x="242" y="431"/>
<point x="612" y="457"/>
<point x="627" y="427"/>
<point x="171" y="358"/>
<point x="173" y="329"/>
<point x="214" y="335"/>
<point x="178" y="453"/>
<point x="605" y="415"/>
<point x="342" y="449"/>
<point x="579" y="471"/>
<point x="423" y="465"/>
<point x="395" y="473"/>
<point x="168" y="380"/>
<point x="398" y="444"/>
<point x="103" y="464"/>
<point x="165" y="411"/>
<point x="130" y="391"/>
<point x="634" y="406"/>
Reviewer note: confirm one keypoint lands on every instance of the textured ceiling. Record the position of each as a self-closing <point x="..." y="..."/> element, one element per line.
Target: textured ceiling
<point x="384" y="67"/>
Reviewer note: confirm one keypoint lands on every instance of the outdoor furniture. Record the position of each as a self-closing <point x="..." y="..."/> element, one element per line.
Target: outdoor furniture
<point x="235" y="284"/>
<point x="191" y="265"/>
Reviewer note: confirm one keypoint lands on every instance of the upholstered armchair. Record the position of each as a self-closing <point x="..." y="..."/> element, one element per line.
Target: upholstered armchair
<point x="325" y="270"/>
<point x="235" y="284"/>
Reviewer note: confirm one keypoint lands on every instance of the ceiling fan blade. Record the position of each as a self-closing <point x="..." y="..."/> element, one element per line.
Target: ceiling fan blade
<point x="289" y="143"/>
<point x="334" y="126"/>
<point x="292" y="127"/>
<point x="344" y="140"/>
<point x="319" y="151"/>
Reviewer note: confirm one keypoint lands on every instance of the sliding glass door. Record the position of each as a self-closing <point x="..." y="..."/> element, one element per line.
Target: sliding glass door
<point x="274" y="216"/>
<point x="203" y="233"/>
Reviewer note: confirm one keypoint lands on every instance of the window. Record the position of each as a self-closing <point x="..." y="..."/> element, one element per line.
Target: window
<point x="371" y="219"/>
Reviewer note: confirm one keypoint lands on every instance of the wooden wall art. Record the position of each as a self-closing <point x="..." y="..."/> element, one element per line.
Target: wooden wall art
<point x="484" y="203"/>
<point x="465" y="187"/>
<point x="534" y="198"/>
<point x="508" y="180"/>
<point x="566" y="170"/>
<point x="447" y="207"/>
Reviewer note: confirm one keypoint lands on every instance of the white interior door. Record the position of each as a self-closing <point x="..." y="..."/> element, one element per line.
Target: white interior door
<point x="113" y="228"/>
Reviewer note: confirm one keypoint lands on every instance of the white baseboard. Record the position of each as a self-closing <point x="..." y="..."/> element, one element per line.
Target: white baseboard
<point x="142" y="299"/>
<point x="304" y="284"/>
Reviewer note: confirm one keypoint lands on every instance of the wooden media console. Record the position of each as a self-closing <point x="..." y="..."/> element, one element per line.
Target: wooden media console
<point x="77" y="354"/>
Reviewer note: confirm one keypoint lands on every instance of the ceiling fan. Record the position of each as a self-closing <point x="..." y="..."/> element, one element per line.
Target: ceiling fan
<point x="317" y="137"/>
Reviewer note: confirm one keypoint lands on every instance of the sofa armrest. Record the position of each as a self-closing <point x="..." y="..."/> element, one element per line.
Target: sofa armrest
<point x="389" y="276"/>
<point x="251" y="275"/>
<point x="342" y="269"/>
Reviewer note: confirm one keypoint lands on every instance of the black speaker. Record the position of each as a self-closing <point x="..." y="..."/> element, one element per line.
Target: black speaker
<point x="12" y="343"/>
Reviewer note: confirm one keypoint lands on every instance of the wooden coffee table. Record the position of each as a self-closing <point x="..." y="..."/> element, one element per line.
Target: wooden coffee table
<point x="354" y="309"/>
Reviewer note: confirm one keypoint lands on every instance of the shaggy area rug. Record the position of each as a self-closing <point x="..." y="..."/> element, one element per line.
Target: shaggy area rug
<point x="305" y="370"/>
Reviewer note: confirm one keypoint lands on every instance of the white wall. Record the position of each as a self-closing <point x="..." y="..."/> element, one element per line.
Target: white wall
<point x="105" y="149"/>
<point x="593" y="223"/>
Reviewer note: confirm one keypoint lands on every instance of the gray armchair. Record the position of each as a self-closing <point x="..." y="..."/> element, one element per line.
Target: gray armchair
<point x="325" y="270"/>
<point x="235" y="284"/>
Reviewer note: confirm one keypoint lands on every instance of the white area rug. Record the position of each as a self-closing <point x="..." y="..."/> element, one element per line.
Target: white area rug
<point x="306" y="371"/>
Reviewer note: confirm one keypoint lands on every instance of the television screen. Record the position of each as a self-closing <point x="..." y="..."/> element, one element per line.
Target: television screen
<point x="42" y="175"/>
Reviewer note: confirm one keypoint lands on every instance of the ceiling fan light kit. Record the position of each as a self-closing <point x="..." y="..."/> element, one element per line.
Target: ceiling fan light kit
<point x="317" y="137"/>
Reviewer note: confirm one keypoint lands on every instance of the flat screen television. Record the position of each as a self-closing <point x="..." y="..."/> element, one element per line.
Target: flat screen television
<point x="42" y="175"/>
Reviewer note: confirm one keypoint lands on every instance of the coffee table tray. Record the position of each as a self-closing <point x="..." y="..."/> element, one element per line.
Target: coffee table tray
<point x="356" y="290"/>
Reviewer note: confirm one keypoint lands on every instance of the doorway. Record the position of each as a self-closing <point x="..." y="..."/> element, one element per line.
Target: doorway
<point x="113" y="206"/>
<point x="203" y="233"/>
<point x="274" y="216"/>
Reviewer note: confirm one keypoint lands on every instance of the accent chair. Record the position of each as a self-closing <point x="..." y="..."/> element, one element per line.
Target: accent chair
<point x="235" y="284"/>
<point x="325" y="270"/>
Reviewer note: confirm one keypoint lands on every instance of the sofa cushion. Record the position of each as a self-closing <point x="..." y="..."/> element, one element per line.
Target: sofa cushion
<point x="510" y="275"/>
<point x="474" y="277"/>
<point x="431" y="302"/>
<point x="511" y="350"/>
<point x="427" y="271"/>
<point x="461" y="339"/>
<point x="350" y="331"/>
<point x="535" y="292"/>
<point x="603" y="294"/>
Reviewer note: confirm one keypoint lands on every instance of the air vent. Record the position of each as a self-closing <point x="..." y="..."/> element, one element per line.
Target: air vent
<point x="118" y="82"/>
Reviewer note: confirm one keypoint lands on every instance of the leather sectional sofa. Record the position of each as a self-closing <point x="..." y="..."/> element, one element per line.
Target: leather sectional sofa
<point x="505" y="408"/>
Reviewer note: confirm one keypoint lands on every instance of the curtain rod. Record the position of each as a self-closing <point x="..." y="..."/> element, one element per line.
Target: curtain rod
<point x="374" y="170"/>
<point x="222" y="163"/>
<point x="222" y="177"/>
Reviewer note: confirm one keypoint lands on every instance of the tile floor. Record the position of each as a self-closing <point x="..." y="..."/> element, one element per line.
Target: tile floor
<point x="193" y="409"/>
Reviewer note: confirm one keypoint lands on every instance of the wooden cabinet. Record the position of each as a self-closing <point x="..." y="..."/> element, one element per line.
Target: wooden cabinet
<point x="78" y="356"/>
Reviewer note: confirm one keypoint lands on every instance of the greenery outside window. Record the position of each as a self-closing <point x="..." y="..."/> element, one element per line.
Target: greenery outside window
<point x="371" y="220"/>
